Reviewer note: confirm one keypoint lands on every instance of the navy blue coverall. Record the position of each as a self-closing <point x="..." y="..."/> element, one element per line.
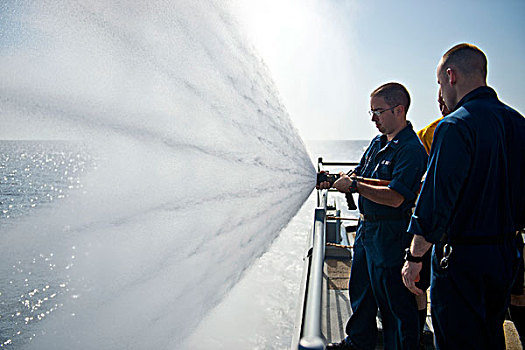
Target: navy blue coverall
<point x="473" y="199"/>
<point x="375" y="277"/>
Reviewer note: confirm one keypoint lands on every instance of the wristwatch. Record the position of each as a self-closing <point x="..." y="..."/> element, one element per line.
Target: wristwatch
<point x="411" y="258"/>
<point x="353" y="186"/>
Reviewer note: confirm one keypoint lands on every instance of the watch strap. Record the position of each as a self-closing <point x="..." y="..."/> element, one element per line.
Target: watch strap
<point x="411" y="258"/>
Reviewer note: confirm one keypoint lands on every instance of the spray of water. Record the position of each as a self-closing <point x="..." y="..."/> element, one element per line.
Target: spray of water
<point x="198" y="167"/>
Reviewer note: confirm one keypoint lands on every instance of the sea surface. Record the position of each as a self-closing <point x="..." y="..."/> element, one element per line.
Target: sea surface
<point x="259" y="311"/>
<point x="34" y="175"/>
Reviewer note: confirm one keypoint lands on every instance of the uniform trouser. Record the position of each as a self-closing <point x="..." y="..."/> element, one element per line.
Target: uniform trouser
<point x="371" y="287"/>
<point x="469" y="298"/>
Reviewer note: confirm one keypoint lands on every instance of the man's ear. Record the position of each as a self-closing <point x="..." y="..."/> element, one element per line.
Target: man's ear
<point x="399" y="110"/>
<point x="452" y="76"/>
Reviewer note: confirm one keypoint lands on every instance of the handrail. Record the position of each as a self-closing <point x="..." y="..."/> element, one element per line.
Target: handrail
<point x="339" y="163"/>
<point x="320" y="163"/>
<point x="312" y="338"/>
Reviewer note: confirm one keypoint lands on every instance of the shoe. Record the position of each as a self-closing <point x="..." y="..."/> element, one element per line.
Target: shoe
<point x="343" y="345"/>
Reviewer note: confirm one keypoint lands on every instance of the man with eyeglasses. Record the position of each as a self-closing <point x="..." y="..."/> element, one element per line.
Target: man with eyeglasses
<point x="471" y="207"/>
<point x="381" y="239"/>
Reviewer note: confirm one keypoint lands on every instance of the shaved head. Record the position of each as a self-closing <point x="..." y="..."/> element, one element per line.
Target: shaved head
<point x="468" y="59"/>
<point x="462" y="69"/>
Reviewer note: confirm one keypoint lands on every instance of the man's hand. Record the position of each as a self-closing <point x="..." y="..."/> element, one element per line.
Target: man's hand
<point x="323" y="185"/>
<point x="410" y="275"/>
<point x="345" y="184"/>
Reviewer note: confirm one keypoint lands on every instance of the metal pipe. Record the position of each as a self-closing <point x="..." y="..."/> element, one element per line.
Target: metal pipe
<point x="312" y="339"/>
<point x="339" y="163"/>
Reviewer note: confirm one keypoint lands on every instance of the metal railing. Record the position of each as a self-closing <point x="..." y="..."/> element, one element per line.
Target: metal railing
<point x="311" y="338"/>
<point x="311" y="333"/>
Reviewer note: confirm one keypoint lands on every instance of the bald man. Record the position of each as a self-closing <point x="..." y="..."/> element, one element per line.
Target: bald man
<point x="471" y="205"/>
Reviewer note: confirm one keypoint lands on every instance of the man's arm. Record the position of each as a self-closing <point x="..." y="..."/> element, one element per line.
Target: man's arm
<point x="419" y="246"/>
<point x="410" y="271"/>
<point x="406" y="176"/>
<point x="380" y="194"/>
<point x="408" y="167"/>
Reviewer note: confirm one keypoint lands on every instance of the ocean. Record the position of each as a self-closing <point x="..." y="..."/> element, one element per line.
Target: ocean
<point x="34" y="175"/>
<point x="37" y="176"/>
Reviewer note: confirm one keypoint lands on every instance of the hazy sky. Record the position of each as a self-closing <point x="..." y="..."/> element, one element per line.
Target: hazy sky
<point x="326" y="56"/>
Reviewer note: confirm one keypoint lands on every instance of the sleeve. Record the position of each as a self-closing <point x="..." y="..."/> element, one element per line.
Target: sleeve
<point x="450" y="159"/>
<point x="422" y="134"/>
<point x="427" y="134"/>
<point x="408" y="171"/>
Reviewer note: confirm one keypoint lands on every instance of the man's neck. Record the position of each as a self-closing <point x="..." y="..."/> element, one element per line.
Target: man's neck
<point x="465" y="90"/>
<point x="393" y="134"/>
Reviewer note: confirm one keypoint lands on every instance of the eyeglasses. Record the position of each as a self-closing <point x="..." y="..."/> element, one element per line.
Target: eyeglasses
<point x="378" y="112"/>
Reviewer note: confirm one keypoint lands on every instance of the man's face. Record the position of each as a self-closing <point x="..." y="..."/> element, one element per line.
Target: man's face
<point x="385" y="122"/>
<point x="446" y="89"/>
<point x="442" y="107"/>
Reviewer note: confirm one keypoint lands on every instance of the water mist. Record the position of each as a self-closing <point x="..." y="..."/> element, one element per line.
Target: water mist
<point x="198" y="168"/>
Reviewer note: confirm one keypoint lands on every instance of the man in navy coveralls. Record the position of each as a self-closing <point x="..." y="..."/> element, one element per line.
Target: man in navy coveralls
<point x="382" y="237"/>
<point x="470" y="207"/>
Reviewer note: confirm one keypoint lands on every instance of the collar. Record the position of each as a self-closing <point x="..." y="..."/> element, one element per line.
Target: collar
<point x="483" y="92"/>
<point x="401" y="136"/>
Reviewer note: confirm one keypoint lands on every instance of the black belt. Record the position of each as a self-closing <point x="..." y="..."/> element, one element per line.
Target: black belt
<point x="393" y="216"/>
<point x="481" y="240"/>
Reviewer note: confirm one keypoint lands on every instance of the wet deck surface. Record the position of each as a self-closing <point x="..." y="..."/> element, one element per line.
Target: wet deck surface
<point x="336" y="304"/>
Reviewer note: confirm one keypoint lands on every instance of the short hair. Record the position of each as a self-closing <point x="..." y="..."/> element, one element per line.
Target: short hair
<point x="468" y="59"/>
<point x="394" y="94"/>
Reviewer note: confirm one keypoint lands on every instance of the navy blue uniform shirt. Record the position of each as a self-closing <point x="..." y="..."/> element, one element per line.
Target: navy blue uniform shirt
<point x="475" y="184"/>
<point x="403" y="160"/>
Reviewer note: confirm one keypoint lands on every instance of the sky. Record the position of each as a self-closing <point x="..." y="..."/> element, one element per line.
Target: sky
<point x="326" y="56"/>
